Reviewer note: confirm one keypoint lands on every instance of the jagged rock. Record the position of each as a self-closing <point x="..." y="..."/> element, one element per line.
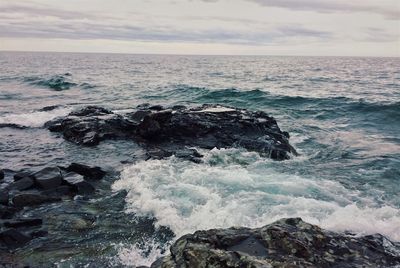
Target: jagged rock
<point x="175" y="129"/>
<point x="285" y="243"/>
<point x="32" y="199"/>
<point x="91" y="125"/>
<point x="22" y="184"/>
<point x="4" y="196"/>
<point x="78" y="183"/>
<point x="13" y="238"/>
<point x="48" y="178"/>
<point x="23" y="223"/>
<point x="89" y="172"/>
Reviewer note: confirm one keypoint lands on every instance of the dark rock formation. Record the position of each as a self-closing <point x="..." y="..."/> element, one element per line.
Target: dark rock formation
<point x="48" y="178"/>
<point x="179" y="128"/>
<point x="32" y="199"/>
<point x="87" y="171"/>
<point x="1" y="174"/>
<point x="20" y="175"/>
<point x="78" y="183"/>
<point x="13" y="238"/>
<point x="7" y="212"/>
<point x="23" y="223"/>
<point x="22" y="184"/>
<point x="285" y="243"/>
<point x="4" y="196"/>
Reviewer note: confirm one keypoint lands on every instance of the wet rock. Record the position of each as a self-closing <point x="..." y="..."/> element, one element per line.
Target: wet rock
<point x="48" y="178"/>
<point x="13" y="238"/>
<point x="285" y="243"/>
<point x="91" y="125"/>
<point x="4" y="196"/>
<point x="32" y="199"/>
<point x="38" y="233"/>
<point x="7" y="212"/>
<point x="1" y="174"/>
<point x="22" y="184"/>
<point x="173" y="130"/>
<point x="23" y="223"/>
<point x="89" y="172"/>
<point x="78" y="183"/>
<point x="23" y="174"/>
<point x="59" y="191"/>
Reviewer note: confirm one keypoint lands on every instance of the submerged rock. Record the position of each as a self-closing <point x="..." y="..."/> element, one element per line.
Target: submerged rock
<point x="77" y="182"/>
<point x="24" y="222"/>
<point x="285" y="243"/>
<point x="48" y="178"/>
<point x="179" y="128"/>
<point x="89" y="172"/>
<point x="22" y="184"/>
<point x="13" y="238"/>
<point x="32" y="199"/>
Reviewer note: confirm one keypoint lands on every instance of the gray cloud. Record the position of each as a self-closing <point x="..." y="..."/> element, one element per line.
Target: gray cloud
<point x="327" y="6"/>
<point x="78" y="25"/>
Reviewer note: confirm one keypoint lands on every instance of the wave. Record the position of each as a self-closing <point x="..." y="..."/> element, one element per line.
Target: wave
<point x="55" y="82"/>
<point x="238" y="188"/>
<point x="33" y="119"/>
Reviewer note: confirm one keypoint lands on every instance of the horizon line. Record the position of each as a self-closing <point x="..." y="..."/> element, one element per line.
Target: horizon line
<point x="183" y="54"/>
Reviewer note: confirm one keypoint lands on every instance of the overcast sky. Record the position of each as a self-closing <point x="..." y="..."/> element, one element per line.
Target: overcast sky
<point x="268" y="27"/>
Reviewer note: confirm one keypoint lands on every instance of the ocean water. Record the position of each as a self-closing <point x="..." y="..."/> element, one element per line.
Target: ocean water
<point x="343" y="115"/>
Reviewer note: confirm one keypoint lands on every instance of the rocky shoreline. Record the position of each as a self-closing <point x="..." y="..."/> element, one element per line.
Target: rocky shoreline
<point x="286" y="243"/>
<point x="179" y="130"/>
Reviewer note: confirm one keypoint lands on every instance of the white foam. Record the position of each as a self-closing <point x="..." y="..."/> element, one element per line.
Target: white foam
<point x="33" y="119"/>
<point x="217" y="110"/>
<point x="136" y="255"/>
<point x="236" y="188"/>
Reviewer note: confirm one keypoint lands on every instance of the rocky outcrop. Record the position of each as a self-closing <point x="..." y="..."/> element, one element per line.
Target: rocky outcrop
<point x="169" y="131"/>
<point x="285" y="243"/>
<point x="21" y="190"/>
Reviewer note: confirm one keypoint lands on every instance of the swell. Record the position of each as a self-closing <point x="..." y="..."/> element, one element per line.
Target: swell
<point x="56" y="82"/>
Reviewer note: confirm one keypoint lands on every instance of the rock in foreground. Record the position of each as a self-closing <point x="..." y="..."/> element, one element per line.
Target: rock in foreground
<point x="176" y="129"/>
<point x="285" y="243"/>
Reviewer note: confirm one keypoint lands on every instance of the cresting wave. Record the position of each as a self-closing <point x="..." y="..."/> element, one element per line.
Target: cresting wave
<point x="238" y="188"/>
<point x="33" y="119"/>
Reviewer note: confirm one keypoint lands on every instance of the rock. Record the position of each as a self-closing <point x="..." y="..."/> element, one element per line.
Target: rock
<point x="78" y="183"/>
<point x="1" y="174"/>
<point x="38" y="233"/>
<point x="285" y="243"/>
<point x="23" y="223"/>
<point x="7" y="212"/>
<point x="32" y="199"/>
<point x="13" y="238"/>
<point x="48" y="178"/>
<point x="91" y="125"/>
<point x="175" y="129"/>
<point x="22" y="184"/>
<point x="23" y="174"/>
<point x="4" y="196"/>
<point x="87" y="171"/>
<point x="59" y="191"/>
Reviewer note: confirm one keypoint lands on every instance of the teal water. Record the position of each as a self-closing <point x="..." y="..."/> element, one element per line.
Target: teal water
<point x="343" y="115"/>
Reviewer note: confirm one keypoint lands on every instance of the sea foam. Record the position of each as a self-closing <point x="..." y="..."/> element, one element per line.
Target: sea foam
<point x="237" y="188"/>
<point x="33" y="119"/>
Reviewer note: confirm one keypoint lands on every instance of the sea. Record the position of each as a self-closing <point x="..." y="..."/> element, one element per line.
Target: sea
<point x="342" y="113"/>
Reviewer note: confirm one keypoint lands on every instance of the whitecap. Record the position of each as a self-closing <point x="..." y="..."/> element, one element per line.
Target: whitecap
<point x="238" y="188"/>
<point x="34" y="118"/>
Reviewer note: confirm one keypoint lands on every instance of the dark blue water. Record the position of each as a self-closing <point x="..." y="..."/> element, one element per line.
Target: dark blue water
<point x="343" y="115"/>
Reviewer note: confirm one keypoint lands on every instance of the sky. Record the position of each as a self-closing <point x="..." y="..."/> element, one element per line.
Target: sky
<point x="211" y="27"/>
